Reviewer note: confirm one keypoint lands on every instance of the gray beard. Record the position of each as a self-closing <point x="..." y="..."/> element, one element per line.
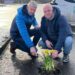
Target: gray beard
<point x="29" y="12"/>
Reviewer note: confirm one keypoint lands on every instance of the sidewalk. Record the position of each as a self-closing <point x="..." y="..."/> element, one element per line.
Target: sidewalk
<point x="19" y="65"/>
<point x="7" y="13"/>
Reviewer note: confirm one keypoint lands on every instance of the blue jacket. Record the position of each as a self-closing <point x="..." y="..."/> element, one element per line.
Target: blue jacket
<point x="55" y="30"/>
<point x="21" y="25"/>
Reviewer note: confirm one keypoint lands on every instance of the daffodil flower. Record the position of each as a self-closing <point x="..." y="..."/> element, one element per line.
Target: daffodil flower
<point x="48" y="52"/>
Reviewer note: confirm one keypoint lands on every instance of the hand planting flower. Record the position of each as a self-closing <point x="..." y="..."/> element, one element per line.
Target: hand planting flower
<point x="33" y="51"/>
<point x="55" y="54"/>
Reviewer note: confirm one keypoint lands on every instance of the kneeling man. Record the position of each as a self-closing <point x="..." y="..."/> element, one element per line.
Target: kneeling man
<point x="21" y="31"/>
<point x="56" y="32"/>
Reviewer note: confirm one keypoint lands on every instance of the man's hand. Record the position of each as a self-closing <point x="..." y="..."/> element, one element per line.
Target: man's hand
<point x="33" y="51"/>
<point x="48" y="44"/>
<point x="55" y="54"/>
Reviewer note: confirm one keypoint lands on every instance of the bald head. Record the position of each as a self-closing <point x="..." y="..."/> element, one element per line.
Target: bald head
<point x="48" y="10"/>
<point x="48" y="6"/>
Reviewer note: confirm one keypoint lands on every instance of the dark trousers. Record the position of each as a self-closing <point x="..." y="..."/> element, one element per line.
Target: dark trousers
<point x="20" y="44"/>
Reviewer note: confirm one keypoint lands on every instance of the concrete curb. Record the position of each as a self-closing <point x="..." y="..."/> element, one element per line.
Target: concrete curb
<point x="2" y="48"/>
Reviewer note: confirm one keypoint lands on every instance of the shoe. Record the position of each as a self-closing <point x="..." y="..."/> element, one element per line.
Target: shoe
<point x="12" y="47"/>
<point x="66" y="58"/>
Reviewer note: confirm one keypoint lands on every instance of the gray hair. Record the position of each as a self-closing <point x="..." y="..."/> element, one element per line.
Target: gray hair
<point x="32" y="4"/>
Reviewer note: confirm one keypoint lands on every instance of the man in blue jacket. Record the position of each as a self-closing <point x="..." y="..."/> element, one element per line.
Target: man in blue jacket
<point x="56" y="32"/>
<point x="20" y="31"/>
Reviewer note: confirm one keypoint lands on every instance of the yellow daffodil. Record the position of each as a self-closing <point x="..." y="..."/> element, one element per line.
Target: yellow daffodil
<point x="48" y="52"/>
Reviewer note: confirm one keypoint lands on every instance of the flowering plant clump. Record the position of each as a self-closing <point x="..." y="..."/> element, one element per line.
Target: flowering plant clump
<point x="49" y="63"/>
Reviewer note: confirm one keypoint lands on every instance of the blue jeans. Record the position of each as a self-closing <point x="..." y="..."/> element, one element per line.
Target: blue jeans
<point x="67" y="45"/>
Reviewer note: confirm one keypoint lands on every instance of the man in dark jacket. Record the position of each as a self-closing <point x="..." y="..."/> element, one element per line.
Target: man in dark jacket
<point x="56" y="32"/>
<point x="20" y="31"/>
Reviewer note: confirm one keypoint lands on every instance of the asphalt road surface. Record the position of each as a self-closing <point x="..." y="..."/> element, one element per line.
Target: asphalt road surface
<point x="20" y="64"/>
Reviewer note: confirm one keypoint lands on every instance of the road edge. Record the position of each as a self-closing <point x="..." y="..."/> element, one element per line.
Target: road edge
<point x="4" y="45"/>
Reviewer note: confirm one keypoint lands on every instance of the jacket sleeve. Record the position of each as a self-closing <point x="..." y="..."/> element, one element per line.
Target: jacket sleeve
<point x="23" y="31"/>
<point x="42" y="31"/>
<point x="62" y="33"/>
<point x="35" y="22"/>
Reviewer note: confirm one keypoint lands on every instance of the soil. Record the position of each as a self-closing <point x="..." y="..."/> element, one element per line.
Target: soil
<point x="56" y="72"/>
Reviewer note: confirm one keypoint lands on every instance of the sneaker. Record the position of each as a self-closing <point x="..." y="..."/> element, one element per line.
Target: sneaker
<point x="66" y="59"/>
<point x="12" y="48"/>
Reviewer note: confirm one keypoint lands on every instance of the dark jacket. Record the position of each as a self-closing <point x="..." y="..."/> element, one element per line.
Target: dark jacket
<point x="55" y="30"/>
<point x="21" y="25"/>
